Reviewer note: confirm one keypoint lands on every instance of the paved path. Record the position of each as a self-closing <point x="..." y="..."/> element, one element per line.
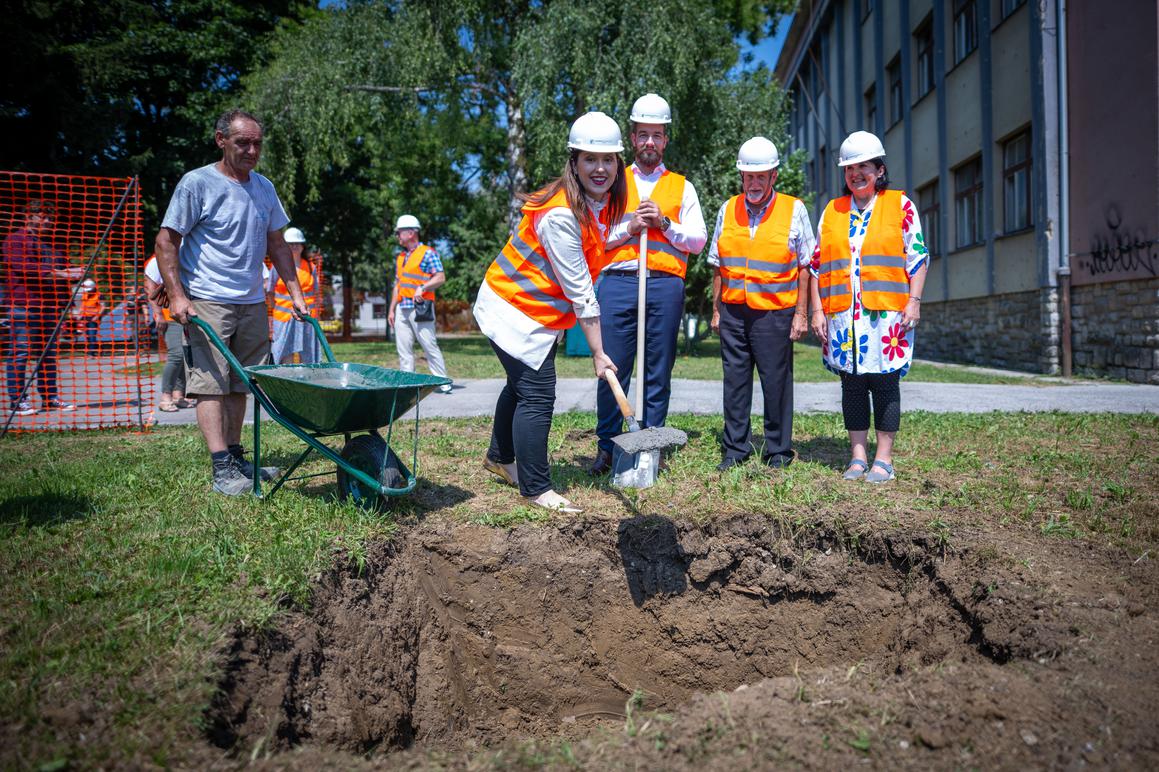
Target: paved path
<point x="477" y="398"/>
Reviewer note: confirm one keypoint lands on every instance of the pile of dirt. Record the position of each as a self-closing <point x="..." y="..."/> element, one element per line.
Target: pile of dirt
<point x="745" y="643"/>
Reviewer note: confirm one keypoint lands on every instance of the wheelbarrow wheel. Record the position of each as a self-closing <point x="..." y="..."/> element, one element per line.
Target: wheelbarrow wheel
<point x="369" y="453"/>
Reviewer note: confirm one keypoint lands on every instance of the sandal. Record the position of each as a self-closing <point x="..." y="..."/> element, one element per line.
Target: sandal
<point x="883" y="476"/>
<point x="856" y="469"/>
<point x="167" y="407"/>
<point x="505" y="472"/>
<point x="185" y="404"/>
<point x="551" y="500"/>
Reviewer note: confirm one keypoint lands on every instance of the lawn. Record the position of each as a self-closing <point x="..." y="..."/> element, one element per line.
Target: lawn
<point x="125" y="574"/>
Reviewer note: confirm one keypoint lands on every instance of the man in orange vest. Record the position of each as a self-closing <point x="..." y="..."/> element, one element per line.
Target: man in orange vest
<point x="87" y="315"/>
<point x="760" y="300"/>
<point x="292" y="336"/>
<point x="666" y="205"/>
<point x="418" y="272"/>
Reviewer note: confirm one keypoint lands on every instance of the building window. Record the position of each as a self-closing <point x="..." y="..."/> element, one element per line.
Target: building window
<point x="1010" y="6"/>
<point x="929" y="210"/>
<point x="893" y="76"/>
<point x="965" y="28"/>
<point x="822" y="171"/>
<point x="871" y="109"/>
<point x="1016" y="192"/>
<point x="968" y="204"/>
<point x="924" y="54"/>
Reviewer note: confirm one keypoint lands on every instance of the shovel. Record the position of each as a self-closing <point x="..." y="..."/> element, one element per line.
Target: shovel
<point x="636" y="455"/>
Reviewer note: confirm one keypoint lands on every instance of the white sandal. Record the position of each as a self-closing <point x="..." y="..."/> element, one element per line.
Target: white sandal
<point x="551" y="500"/>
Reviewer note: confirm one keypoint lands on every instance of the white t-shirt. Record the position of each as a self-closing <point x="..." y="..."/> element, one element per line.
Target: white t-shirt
<point x="223" y="224"/>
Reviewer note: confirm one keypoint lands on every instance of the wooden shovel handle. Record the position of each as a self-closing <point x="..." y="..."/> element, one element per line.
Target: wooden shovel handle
<point x="618" y="391"/>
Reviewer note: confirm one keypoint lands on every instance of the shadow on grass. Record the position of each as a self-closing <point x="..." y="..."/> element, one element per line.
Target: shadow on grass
<point x="830" y="451"/>
<point x="44" y="510"/>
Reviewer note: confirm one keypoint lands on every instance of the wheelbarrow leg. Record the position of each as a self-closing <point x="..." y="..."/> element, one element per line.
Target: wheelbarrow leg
<point x="257" y="449"/>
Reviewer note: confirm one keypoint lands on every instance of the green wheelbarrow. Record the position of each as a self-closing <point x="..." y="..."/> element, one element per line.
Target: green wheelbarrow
<point x="331" y="399"/>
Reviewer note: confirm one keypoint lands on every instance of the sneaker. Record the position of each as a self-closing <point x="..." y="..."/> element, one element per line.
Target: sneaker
<point x="57" y="404"/>
<point x="445" y="389"/>
<point x="228" y="480"/>
<point x="247" y="468"/>
<point x="24" y="408"/>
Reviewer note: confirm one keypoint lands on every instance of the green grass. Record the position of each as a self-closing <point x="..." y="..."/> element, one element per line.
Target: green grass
<point x="124" y="574"/>
<point x="471" y="356"/>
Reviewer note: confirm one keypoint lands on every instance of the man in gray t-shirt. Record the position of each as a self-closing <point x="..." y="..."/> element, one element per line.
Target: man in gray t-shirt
<point x="221" y="223"/>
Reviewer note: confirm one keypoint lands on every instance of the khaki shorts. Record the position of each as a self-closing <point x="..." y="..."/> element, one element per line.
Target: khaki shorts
<point x="244" y="328"/>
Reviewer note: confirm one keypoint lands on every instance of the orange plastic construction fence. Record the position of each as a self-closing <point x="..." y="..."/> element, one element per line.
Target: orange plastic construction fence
<point x="77" y="337"/>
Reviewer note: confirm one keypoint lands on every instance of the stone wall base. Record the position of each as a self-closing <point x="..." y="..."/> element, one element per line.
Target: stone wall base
<point x="1116" y="330"/>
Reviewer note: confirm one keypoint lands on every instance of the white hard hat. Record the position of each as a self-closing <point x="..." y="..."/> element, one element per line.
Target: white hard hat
<point x="595" y="133"/>
<point x="294" y="236"/>
<point x="651" y="108"/>
<point x="407" y="221"/>
<point x="860" y="146"/>
<point x="88" y="284"/>
<point x="758" y="155"/>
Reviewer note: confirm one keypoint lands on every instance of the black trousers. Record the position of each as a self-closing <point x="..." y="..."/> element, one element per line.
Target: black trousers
<point x="523" y="421"/>
<point x="749" y="338"/>
<point x="886" y="391"/>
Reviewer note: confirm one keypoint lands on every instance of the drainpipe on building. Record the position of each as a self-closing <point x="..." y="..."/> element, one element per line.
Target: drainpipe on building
<point x="1063" y="191"/>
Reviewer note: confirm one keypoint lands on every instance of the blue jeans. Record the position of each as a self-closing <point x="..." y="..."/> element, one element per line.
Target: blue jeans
<point x="28" y="332"/>
<point x="617" y="293"/>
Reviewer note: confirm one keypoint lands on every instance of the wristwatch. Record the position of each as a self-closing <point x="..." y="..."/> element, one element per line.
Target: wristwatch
<point x="665" y="223"/>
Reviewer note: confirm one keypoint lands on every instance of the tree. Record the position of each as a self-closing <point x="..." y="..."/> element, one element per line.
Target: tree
<point x="453" y="109"/>
<point x="126" y="87"/>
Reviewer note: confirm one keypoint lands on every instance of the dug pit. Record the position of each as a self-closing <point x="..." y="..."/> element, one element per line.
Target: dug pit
<point x="465" y="633"/>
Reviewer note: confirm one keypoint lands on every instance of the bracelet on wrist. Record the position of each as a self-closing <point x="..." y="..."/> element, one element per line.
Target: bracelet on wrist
<point x="915" y="297"/>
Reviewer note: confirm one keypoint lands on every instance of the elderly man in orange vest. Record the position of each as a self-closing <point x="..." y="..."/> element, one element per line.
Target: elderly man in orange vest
<point x="666" y="205"/>
<point x="760" y="302"/>
<point x="292" y="336"/>
<point x="418" y="273"/>
<point x="87" y="315"/>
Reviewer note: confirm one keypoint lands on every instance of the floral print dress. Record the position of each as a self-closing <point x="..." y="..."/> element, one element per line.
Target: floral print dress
<point x="864" y="341"/>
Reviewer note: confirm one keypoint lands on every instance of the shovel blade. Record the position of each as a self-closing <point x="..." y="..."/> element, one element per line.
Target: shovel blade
<point x="635" y="470"/>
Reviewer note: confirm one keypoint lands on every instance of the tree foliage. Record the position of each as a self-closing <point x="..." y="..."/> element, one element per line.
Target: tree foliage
<point x="450" y="109"/>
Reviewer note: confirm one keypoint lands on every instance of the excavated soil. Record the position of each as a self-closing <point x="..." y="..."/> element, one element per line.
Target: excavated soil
<point x="746" y="646"/>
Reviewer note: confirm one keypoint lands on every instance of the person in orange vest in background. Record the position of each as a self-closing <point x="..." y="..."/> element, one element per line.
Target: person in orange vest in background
<point x="760" y="300"/>
<point x="294" y="338"/>
<point x="418" y="272"/>
<point x="537" y="288"/>
<point x="86" y="315"/>
<point x="173" y="373"/>
<point x="666" y="204"/>
<point x="871" y="266"/>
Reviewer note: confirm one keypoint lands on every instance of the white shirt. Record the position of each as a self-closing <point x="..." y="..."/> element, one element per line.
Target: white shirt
<point x="801" y="239"/>
<point x="688" y="235"/>
<point x="518" y="334"/>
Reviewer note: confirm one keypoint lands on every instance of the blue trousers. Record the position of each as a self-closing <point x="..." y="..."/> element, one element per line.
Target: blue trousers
<point x="28" y="333"/>
<point x="665" y="307"/>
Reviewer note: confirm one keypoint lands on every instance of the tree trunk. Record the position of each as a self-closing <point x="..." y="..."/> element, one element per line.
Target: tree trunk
<point x="516" y="158"/>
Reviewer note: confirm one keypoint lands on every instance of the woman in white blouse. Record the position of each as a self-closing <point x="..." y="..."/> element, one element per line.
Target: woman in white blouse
<point x="870" y="263"/>
<point x="536" y="289"/>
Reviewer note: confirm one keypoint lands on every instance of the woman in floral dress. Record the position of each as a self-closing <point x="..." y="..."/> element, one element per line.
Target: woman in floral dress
<point x="870" y="264"/>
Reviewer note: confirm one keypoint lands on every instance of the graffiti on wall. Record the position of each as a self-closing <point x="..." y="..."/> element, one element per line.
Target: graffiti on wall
<point x="1117" y="252"/>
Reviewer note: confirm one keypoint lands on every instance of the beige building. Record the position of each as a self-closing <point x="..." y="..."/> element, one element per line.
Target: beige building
<point x="1033" y="159"/>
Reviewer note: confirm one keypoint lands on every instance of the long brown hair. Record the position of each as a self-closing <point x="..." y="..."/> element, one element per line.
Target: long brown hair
<point x="569" y="181"/>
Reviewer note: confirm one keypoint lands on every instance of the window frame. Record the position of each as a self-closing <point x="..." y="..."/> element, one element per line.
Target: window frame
<point x="1007" y="8"/>
<point x="924" y="57"/>
<point x="1011" y="172"/>
<point x="965" y="29"/>
<point x="970" y="200"/>
<point x="930" y="215"/>
<point x="896" y="101"/>
<point x="871" y="108"/>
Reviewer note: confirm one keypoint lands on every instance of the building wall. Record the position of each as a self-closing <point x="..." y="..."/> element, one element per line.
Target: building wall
<point x="1116" y="330"/>
<point x="1017" y="331"/>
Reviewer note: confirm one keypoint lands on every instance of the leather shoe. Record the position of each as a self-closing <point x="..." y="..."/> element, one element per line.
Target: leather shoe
<point x="602" y="465"/>
<point x="729" y="462"/>
<point x="781" y="460"/>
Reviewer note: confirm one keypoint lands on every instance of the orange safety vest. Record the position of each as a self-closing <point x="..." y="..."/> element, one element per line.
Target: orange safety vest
<point x="758" y="270"/>
<point x="662" y="256"/>
<point x="409" y="273"/>
<point x="884" y="281"/>
<point x="90" y="304"/>
<point x="523" y="275"/>
<point x="283" y="310"/>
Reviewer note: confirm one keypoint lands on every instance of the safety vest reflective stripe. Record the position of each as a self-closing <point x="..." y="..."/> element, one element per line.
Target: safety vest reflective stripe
<point x="409" y="274"/>
<point x="523" y="275"/>
<point x="884" y="281"/>
<point x="668" y="194"/>
<point x="757" y="268"/>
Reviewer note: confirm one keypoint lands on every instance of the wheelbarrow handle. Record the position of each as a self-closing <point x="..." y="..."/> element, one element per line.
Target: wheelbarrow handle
<point x="321" y="337"/>
<point x="618" y="391"/>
